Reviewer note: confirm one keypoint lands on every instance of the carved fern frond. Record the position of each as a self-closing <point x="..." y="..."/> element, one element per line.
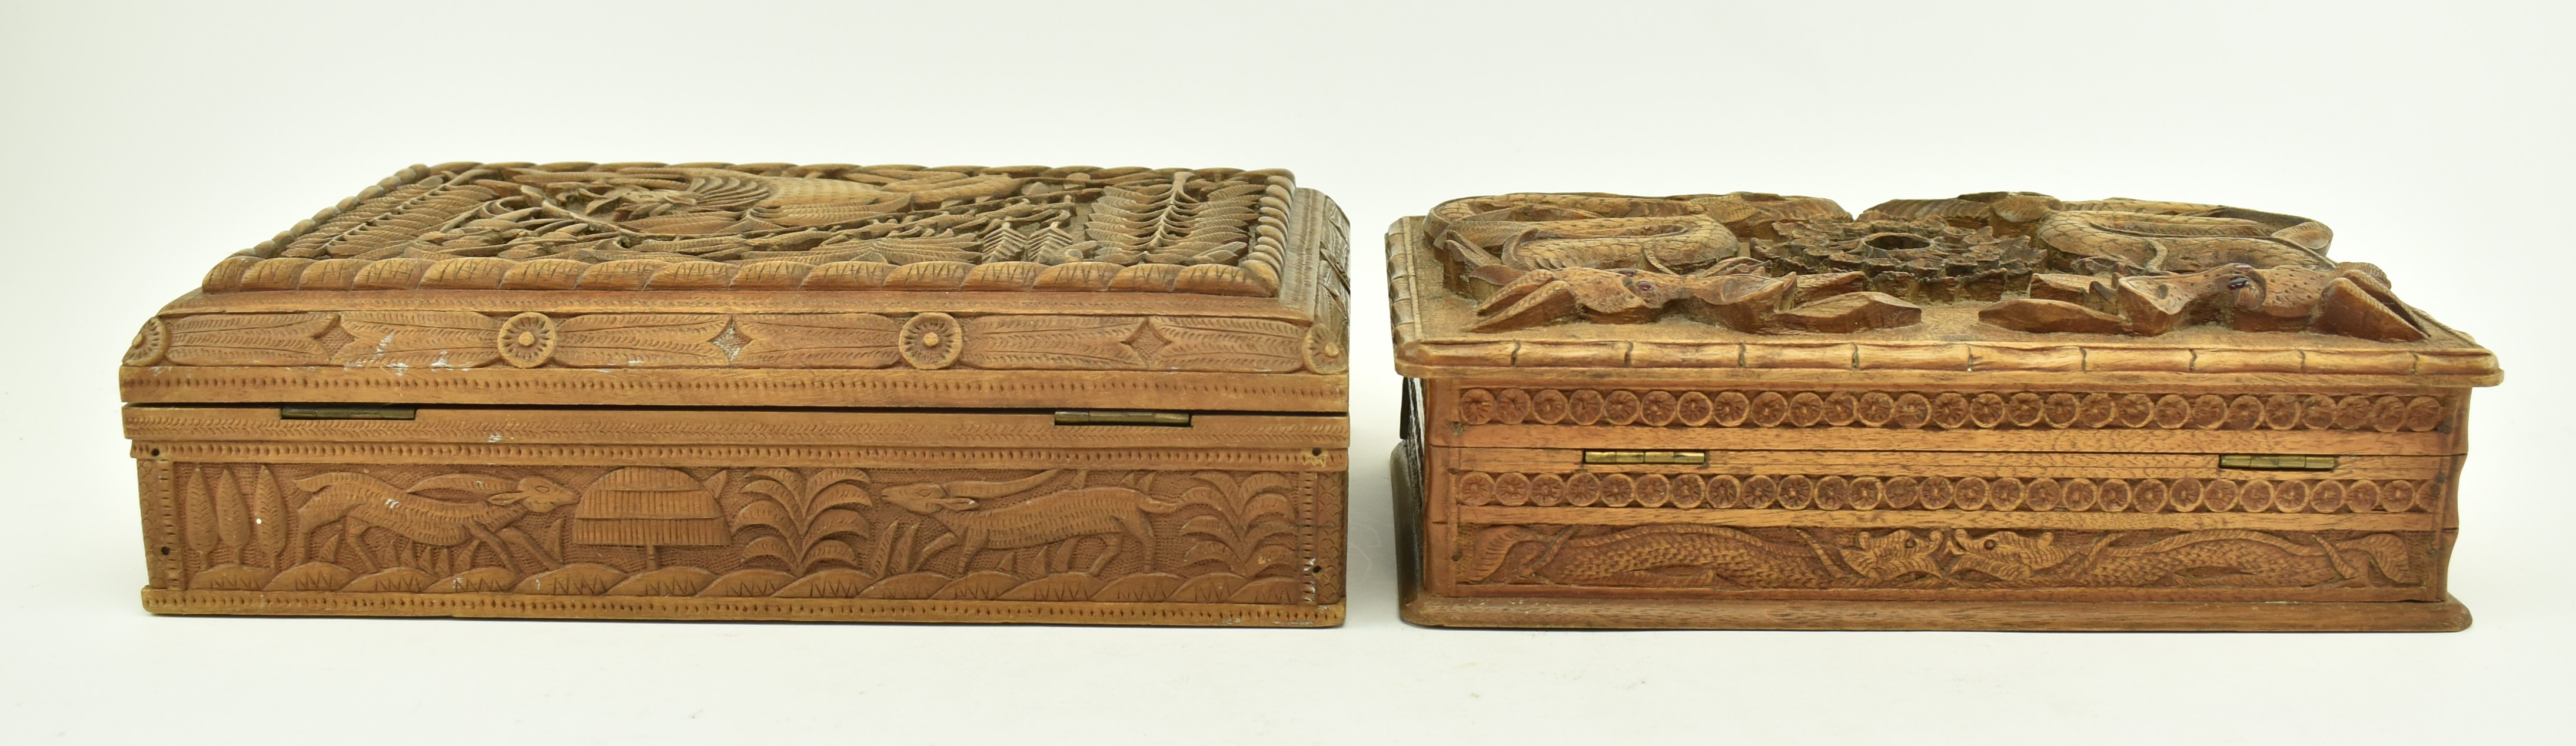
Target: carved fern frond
<point x="391" y="220"/>
<point x="605" y="340"/>
<point x="821" y="340"/>
<point x="248" y="339"/>
<point x="1229" y="345"/>
<point x="1098" y="342"/>
<point x="455" y="339"/>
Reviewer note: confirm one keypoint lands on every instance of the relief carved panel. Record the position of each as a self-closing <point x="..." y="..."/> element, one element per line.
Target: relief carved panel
<point x="1677" y="556"/>
<point x="799" y="533"/>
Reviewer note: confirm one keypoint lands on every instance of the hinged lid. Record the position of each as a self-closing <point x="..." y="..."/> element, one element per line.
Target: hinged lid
<point x="1753" y="287"/>
<point x="778" y="285"/>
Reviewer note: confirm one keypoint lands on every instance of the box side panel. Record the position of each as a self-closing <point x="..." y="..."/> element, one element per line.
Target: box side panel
<point x="769" y="520"/>
<point x="1799" y="499"/>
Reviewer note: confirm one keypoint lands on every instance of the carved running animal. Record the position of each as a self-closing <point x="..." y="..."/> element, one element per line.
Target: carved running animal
<point x="358" y="502"/>
<point x="1114" y="513"/>
<point x="1693" y="556"/>
<point x="2224" y="557"/>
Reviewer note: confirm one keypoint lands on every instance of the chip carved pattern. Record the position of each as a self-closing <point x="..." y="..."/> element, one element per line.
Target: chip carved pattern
<point x="928" y="341"/>
<point x="1912" y="493"/>
<point x="549" y="533"/>
<point x="1950" y="410"/>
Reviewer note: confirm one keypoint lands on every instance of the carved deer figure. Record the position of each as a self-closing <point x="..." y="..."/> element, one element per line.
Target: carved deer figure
<point x="358" y="502"/>
<point x="1113" y="513"/>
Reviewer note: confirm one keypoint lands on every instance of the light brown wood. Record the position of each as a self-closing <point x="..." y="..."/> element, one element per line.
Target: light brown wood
<point x="1999" y="411"/>
<point x="1819" y="611"/>
<point x="761" y="391"/>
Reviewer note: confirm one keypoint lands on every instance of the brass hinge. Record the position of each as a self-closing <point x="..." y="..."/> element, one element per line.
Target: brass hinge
<point x="348" y="412"/>
<point x="1695" y="458"/>
<point x="1121" y="417"/>
<point x="2276" y="462"/>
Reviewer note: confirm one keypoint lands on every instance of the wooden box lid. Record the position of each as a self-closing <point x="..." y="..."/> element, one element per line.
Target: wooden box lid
<point x="1981" y="287"/>
<point x="705" y="284"/>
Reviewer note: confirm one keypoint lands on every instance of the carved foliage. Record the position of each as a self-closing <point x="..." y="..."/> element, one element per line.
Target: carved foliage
<point x="247" y="339"/>
<point x="781" y="227"/>
<point x="1723" y="558"/>
<point x="1054" y="535"/>
<point x="817" y="340"/>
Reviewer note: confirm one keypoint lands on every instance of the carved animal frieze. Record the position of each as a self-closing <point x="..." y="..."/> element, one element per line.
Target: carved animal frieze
<point x="2388" y="413"/>
<point x="1901" y="492"/>
<point x="782" y="227"/>
<point x="1722" y="558"/>
<point x="1042" y="535"/>
<point x="930" y="340"/>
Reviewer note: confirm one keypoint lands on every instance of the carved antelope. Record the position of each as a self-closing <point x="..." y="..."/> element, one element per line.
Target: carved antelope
<point x="1114" y="513"/>
<point x="358" y="501"/>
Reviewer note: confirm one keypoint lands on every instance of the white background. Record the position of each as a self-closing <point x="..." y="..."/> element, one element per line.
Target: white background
<point x="144" y="142"/>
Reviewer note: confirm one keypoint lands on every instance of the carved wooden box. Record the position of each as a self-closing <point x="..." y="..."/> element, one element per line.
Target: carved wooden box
<point x="1997" y="411"/>
<point x="709" y="391"/>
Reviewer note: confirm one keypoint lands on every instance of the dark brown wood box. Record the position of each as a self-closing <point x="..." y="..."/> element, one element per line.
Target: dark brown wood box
<point x="1586" y="470"/>
<point x="761" y="391"/>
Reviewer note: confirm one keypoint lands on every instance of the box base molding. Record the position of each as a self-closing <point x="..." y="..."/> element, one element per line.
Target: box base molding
<point x="524" y="606"/>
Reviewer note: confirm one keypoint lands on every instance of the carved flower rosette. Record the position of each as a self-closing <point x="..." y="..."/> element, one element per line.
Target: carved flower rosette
<point x="527" y="340"/>
<point x="150" y="344"/>
<point x="931" y="341"/>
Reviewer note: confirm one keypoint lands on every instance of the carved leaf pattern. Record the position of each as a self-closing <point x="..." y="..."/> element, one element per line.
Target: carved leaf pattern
<point x="421" y="339"/>
<point x="268" y="518"/>
<point x="1053" y="342"/>
<point x="1914" y="559"/>
<point x="258" y="339"/>
<point x="641" y="340"/>
<point x="820" y="340"/>
<point x="386" y="223"/>
<point x="197" y="513"/>
<point x="1253" y="529"/>
<point x="1164" y="222"/>
<point x="809" y="517"/>
<point x="232" y="518"/>
<point x="239" y="527"/>
<point x="1228" y="345"/>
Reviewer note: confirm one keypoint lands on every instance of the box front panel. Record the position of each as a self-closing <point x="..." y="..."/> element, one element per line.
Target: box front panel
<point x="1583" y="490"/>
<point x="701" y="514"/>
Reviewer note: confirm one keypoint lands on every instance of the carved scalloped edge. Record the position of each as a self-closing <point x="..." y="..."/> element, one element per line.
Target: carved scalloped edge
<point x="1810" y="492"/>
<point x="1661" y="406"/>
<point x="509" y="605"/>
<point x="1256" y="274"/>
